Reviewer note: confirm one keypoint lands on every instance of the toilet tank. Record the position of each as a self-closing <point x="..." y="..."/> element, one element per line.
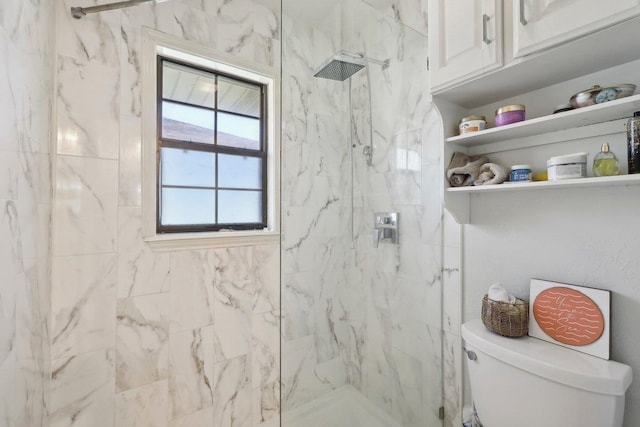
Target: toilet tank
<point x="528" y="382"/>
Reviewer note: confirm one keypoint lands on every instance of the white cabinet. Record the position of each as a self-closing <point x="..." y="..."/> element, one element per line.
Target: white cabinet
<point x="541" y="24"/>
<point x="465" y="39"/>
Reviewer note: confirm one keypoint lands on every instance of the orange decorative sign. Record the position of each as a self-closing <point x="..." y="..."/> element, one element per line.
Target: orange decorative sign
<point x="568" y="316"/>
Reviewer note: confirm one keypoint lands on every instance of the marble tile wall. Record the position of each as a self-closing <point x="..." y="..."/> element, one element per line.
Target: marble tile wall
<point x="27" y="39"/>
<point x="139" y="338"/>
<point x="379" y="323"/>
<point x="401" y="362"/>
<point x="316" y="258"/>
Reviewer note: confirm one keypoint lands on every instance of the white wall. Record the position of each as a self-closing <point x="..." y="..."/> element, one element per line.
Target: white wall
<point x="26" y="89"/>
<point x="584" y="237"/>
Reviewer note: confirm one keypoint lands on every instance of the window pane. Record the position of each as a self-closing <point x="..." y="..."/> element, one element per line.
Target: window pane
<point x="187" y="123"/>
<point x="238" y="131"/>
<point x="239" y="172"/>
<point x="189" y="85"/>
<point x="236" y="207"/>
<point x="238" y="97"/>
<point x="188" y="167"/>
<point x="185" y="206"/>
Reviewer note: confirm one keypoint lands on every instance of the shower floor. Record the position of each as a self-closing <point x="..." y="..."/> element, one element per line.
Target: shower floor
<point x="343" y="407"/>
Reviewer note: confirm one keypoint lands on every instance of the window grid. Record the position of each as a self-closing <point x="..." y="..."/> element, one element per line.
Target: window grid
<point x="164" y="142"/>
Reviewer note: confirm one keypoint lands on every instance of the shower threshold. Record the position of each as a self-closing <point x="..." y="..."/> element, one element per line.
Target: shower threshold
<point x="343" y="407"/>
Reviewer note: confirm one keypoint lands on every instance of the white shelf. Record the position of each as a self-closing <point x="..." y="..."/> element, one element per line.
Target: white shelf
<point x="540" y="185"/>
<point x="608" y="111"/>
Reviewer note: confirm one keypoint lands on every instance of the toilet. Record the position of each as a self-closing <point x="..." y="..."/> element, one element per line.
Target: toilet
<point x="527" y="382"/>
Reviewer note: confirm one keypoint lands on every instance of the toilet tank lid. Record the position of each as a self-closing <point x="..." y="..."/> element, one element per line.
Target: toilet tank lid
<point x="554" y="362"/>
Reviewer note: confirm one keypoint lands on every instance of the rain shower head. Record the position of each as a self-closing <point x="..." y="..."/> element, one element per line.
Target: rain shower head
<point x="340" y="67"/>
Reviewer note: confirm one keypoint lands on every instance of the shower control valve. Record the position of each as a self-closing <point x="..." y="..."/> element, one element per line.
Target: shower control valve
<point x="385" y="228"/>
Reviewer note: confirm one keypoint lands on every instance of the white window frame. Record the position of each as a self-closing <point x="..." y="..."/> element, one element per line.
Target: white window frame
<point x="157" y="44"/>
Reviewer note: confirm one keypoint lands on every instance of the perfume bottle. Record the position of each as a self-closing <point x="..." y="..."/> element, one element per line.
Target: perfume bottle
<point x="633" y="143"/>
<point x="605" y="162"/>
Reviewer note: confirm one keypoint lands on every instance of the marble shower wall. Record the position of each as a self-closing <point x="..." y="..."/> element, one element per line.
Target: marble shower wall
<point x="27" y="38"/>
<point x="401" y="364"/>
<point x="316" y="254"/>
<point x="139" y="338"/>
<point x="361" y="316"/>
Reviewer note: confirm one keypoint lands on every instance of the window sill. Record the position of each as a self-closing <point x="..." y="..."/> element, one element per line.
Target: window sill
<point x="220" y="239"/>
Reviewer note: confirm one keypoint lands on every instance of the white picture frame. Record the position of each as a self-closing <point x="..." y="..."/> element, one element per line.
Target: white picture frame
<point x="572" y="316"/>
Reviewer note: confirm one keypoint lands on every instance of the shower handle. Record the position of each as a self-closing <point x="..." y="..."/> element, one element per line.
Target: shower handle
<point x="368" y="154"/>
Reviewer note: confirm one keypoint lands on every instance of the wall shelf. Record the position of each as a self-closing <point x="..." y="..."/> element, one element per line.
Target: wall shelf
<point x="542" y="185"/>
<point x="608" y="111"/>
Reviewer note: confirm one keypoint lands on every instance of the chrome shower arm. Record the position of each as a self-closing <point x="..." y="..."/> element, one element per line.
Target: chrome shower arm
<point x="79" y="12"/>
<point x="384" y="64"/>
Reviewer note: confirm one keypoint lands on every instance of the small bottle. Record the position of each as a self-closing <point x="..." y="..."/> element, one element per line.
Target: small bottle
<point x="633" y="143"/>
<point x="605" y="162"/>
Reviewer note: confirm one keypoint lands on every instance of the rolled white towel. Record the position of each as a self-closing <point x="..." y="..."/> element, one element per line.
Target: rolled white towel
<point x="498" y="293"/>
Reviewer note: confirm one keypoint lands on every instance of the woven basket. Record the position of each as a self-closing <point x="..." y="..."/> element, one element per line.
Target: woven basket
<point x="503" y="318"/>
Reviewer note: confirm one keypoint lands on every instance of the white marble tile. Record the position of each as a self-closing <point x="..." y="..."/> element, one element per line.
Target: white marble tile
<point x="432" y="375"/>
<point x="9" y="408"/>
<point x="233" y="264"/>
<point x="265" y="348"/>
<point x="202" y="418"/>
<point x="143" y="406"/>
<point x="142" y="340"/>
<point x="432" y="134"/>
<point x="232" y="396"/>
<point x="83" y="305"/>
<point x="432" y="215"/>
<point x="266" y="403"/>
<point x="377" y="388"/>
<point x="83" y="390"/>
<point x="88" y="83"/>
<point x="131" y="69"/>
<point x="158" y="16"/>
<point x="141" y="271"/>
<point x="303" y="379"/>
<point x="298" y="245"/>
<point x="327" y="314"/>
<point x="191" y="24"/>
<point x="246" y="29"/>
<point x="266" y="271"/>
<point x="192" y="290"/>
<point x="300" y="186"/>
<point x="233" y="318"/>
<point x="130" y="163"/>
<point x="298" y="298"/>
<point x="433" y="282"/>
<point x="452" y="290"/>
<point x="85" y="210"/>
<point x="452" y="378"/>
<point x="191" y="374"/>
<point x="9" y="175"/>
<point x="12" y="279"/>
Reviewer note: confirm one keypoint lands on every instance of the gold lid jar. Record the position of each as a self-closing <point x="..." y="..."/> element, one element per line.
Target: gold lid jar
<point x="470" y="118"/>
<point x="510" y="114"/>
<point x="472" y="124"/>
<point x="512" y="107"/>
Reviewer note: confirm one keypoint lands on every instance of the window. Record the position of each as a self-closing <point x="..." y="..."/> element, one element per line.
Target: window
<point x="209" y="147"/>
<point x="211" y="151"/>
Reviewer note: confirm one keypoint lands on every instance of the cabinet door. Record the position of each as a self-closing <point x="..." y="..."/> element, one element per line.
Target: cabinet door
<point x="465" y="39"/>
<point x="539" y="24"/>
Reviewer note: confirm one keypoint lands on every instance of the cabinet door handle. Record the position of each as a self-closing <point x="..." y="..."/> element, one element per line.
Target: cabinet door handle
<point x="485" y="21"/>
<point x="523" y="20"/>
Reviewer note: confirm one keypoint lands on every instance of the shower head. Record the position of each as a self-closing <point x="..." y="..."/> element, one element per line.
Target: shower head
<point x="340" y="67"/>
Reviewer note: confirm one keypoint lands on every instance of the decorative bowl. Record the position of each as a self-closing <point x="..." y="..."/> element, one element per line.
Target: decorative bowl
<point x="599" y="94"/>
